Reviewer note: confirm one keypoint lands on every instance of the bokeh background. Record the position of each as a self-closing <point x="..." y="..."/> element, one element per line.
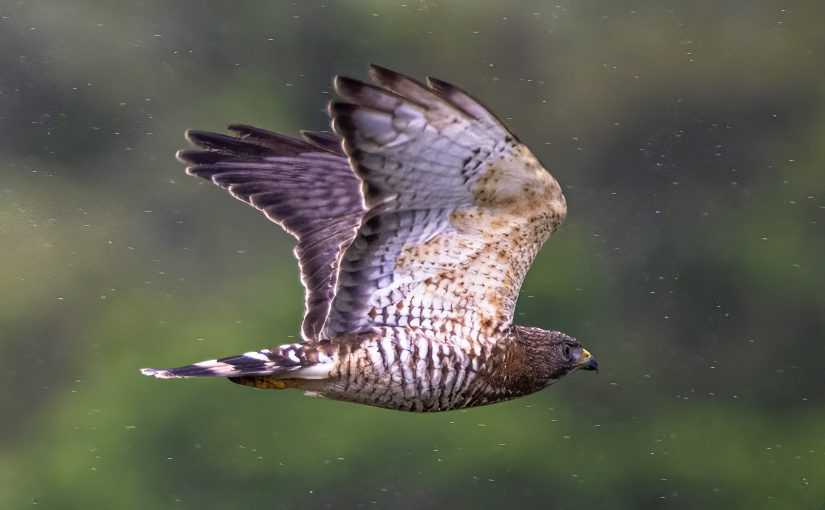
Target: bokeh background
<point x="689" y="137"/>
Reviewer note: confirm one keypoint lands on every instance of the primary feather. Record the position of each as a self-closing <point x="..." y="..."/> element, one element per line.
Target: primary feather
<point x="307" y="187"/>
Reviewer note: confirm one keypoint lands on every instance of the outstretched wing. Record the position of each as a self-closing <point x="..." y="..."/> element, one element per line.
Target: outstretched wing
<point x="307" y="187"/>
<point x="457" y="209"/>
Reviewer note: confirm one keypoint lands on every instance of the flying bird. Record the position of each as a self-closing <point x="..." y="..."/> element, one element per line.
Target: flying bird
<point x="416" y="222"/>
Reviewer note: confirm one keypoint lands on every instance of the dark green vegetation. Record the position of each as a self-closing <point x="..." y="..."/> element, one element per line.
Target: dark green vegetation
<point x="689" y="140"/>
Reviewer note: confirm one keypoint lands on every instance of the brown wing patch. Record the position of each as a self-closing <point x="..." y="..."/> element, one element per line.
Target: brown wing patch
<point x="477" y="265"/>
<point x="519" y="184"/>
<point x="266" y="382"/>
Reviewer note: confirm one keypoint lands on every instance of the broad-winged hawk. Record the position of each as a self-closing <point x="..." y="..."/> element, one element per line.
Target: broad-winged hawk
<point x="416" y="223"/>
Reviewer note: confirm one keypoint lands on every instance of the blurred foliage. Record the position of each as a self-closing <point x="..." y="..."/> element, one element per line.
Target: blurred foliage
<point x="688" y="137"/>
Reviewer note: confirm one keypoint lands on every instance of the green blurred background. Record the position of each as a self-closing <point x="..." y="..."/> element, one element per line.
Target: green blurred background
<point x="689" y="138"/>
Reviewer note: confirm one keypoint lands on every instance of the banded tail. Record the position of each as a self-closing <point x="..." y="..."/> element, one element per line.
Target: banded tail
<point x="292" y="361"/>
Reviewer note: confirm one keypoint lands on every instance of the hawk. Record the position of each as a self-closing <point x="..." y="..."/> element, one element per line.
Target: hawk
<point x="415" y="224"/>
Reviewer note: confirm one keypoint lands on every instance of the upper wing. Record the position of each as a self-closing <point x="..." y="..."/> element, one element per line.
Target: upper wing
<point x="457" y="209"/>
<point x="307" y="187"/>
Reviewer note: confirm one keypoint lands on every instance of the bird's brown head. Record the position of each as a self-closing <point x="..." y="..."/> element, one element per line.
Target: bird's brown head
<point x="553" y="354"/>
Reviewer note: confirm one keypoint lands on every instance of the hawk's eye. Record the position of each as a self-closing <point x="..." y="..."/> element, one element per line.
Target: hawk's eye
<point x="567" y="351"/>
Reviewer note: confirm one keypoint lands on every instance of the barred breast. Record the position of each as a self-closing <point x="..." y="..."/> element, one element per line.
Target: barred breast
<point x="413" y="370"/>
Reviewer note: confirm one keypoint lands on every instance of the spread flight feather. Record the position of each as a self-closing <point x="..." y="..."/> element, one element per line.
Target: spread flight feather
<point x="426" y="213"/>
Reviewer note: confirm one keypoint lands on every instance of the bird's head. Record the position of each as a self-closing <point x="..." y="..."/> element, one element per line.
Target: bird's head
<point x="554" y="354"/>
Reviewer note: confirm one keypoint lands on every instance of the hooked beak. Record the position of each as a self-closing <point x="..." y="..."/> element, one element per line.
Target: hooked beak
<point x="588" y="362"/>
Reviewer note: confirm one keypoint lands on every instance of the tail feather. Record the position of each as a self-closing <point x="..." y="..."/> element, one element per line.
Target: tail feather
<point x="293" y="360"/>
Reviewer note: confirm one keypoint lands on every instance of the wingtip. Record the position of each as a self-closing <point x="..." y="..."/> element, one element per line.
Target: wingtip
<point x="191" y="135"/>
<point x="340" y="108"/>
<point x="382" y="75"/>
<point x="379" y="70"/>
<point x="181" y="156"/>
<point x="242" y="129"/>
<point x="198" y="138"/>
<point x="337" y="80"/>
<point x="439" y="85"/>
<point x="347" y="87"/>
<point x="193" y="159"/>
<point x="341" y="115"/>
